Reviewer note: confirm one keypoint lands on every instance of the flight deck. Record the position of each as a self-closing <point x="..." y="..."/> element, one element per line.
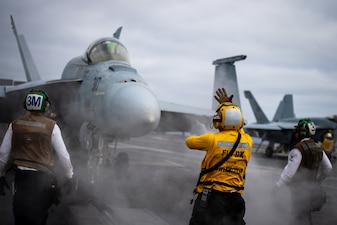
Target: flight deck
<point x="158" y="186"/>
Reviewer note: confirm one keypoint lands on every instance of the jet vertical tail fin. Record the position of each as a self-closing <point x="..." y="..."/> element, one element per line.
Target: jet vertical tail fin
<point x="285" y="109"/>
<point x="225" y="77"/>
<point x="28" y="63"/>
<point x="259" y="114"/>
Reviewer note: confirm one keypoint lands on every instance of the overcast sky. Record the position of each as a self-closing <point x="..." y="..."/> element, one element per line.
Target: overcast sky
<point x="290" y="45"/>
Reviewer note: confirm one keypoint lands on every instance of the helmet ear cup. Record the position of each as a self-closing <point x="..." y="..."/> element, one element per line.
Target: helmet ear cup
<point x="217" y="119"/>
<point x="303" y="133"/>
<point x="46" y="106"/>
<point x="24" y="104"/>
<point x="47" y="103"/>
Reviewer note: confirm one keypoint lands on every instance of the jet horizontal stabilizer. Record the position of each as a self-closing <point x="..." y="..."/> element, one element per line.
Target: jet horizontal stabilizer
<point x="229" y="59"/>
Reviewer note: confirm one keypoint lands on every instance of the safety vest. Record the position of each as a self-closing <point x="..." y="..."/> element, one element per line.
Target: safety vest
<point x="229" y="176"/>
<point x="312" y="155"/>
<point x="327" y="144"/>
<point x="31" y="142"/>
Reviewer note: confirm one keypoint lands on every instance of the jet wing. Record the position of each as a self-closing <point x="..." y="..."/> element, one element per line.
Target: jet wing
<point x="270" y="126"/>
<point x="60" y="92"/>
<point x="177" y="108"/>
<point x="176" y="117"/>
<point x="280" y="132"/>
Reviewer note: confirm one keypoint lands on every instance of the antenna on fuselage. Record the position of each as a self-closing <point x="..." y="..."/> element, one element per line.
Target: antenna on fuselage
<point x="118" y="32"/>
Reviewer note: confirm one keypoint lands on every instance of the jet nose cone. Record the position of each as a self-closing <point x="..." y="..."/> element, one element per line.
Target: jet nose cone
<point x="134" y="110"/>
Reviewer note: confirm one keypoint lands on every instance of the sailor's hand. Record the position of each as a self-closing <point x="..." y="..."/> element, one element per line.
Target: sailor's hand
<point x="3" y="184"/>
<point x="222" y="97"/>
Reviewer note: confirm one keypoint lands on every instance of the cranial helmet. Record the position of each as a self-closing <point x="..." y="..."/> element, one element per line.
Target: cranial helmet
<point x="228" y="117"/>
<point x="329" y="135"/>
<point x="37" y="100"/>
<point x="306" y="128"/>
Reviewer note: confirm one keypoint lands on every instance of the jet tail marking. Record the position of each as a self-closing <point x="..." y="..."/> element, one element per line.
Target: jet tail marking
<point x="225" y="77"/>
<point x="31" y="71"/>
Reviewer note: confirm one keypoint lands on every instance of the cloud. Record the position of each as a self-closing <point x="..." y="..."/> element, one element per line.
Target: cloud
<point x="289" y="45"/>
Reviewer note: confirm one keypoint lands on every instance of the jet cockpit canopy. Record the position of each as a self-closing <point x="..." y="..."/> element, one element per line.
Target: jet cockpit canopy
<point x="106" y="49"/>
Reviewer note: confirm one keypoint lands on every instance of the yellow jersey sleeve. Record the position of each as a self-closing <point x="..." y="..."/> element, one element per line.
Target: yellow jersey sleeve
<point x="201" y="142"/>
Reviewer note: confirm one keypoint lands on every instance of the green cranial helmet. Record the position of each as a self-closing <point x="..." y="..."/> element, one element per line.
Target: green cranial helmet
<point x="306" y="128"/>
<point x="37" y="100"/>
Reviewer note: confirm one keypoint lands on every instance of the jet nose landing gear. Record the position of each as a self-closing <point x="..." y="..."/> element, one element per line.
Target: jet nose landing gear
<point x="99" y="155"/>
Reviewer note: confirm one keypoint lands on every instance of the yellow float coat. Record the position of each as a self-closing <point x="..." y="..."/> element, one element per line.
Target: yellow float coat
<point x="230" y="176"/>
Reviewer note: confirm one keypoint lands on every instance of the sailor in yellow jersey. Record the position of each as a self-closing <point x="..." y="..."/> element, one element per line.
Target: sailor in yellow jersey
<point x="328" y="144"/>
<point x="223" y="169"/>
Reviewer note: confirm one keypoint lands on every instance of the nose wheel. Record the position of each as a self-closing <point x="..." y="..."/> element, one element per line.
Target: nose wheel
<point x="122" y="165"/>
<point x="93" y="144"/>
<point x="99" y="154"/>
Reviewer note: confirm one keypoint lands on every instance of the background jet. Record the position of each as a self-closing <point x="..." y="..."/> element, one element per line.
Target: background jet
<point x="280" y="129"/>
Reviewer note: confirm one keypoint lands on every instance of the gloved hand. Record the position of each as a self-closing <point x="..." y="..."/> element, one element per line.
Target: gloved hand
<point x="67" y="186"/>
<point x="3" y="184"/>
<point x="222" y="97"/>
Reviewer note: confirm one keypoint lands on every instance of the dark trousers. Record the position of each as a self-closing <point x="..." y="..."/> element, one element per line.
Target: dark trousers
<point x="220" y="209"/>
<point x="306" y="198"/>
<point x="32" y="197"/>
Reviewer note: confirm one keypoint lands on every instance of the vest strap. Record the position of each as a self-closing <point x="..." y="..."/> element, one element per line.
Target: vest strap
<point x="205" y="171"/>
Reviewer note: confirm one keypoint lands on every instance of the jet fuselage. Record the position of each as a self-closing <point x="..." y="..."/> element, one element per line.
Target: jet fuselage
<point x="112" y="95"/>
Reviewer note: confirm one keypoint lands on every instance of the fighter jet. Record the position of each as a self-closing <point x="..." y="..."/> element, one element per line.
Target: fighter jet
<point x="101" y="99"/>
<point x="279" y="131"/>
